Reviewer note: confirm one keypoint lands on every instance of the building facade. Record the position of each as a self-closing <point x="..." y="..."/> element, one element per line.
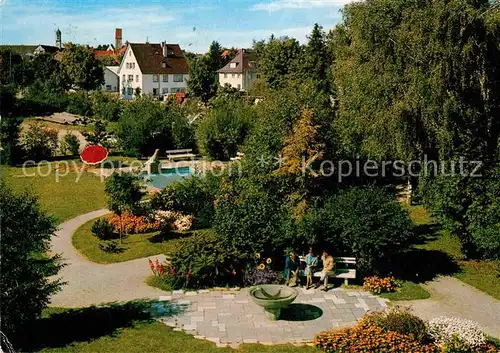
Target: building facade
<point x="111" y="81"/>
<point x="241" y="71"/>
<point x="152" y="69"/>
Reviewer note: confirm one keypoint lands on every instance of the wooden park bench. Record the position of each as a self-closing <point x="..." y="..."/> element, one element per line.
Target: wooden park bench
<point x="238" y="156"/>
<point x="343" y="269"/>
<point x="172" y="155"/>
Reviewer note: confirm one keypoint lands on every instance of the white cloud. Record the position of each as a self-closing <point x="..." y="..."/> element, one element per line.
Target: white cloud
<point x="297" y="4"/>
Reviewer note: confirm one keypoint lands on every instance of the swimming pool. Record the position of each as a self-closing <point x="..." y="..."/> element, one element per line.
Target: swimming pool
<point x="166" y="176"/>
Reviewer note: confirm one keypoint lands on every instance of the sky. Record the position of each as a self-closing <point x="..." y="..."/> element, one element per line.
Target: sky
<point x="194" y="24"/>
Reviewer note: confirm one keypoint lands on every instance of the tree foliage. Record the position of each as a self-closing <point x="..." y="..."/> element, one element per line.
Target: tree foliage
<point x="82" y="68"/>
<point x="26" y="266"/>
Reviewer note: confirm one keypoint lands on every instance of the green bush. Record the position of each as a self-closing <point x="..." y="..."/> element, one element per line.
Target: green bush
<point x="103" y="230"/>
<point x="363" y="222"/>
<point x="224" y="128"/>
<point x="39" y="142"/>
<point x="106" y="107"/>
<point x="41" y="100"/>
<point x="79" y="104"/>
<point x="399" y="319"/>
<point x="70" y="145"/>
<point x="252" y="218"/>
<point x="202" y="261"/>
<point x="194" y="196"/>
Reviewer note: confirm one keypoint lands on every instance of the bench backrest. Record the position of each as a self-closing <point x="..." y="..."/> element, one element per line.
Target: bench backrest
<point x="186" y="150"/>
<point x="345" y="260"/>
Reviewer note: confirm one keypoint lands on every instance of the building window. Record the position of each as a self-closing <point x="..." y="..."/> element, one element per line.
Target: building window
<point x="225" y="75"/>
<point x="239" y="86"/>
<point x="164" y="90"/>
<point x="178" y="78"/>
<point x="164" y="65"/>
<point x="174" y="90"/>
<point x="233" y="75"/>
<point x="130" y="78"/>
<point x="136" y="78"/>
<point x="126" y="65"/>
<point x="129" y="91"/>
<point x="165" y="78"/>
<point x="108" y="87"/>
<point x="123" y="78"/>
<point x="129" y="53"/>
<point x="250" y="75"/>
<point x="232" y="65"/>
<point x="155" y="91"/>
<point x="133" y="65"/>
<point x="155" y="78"/>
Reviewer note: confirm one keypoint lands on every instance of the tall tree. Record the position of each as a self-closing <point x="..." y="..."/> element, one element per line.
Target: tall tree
<point x="315" y="60"/>
<point x="81" y="67"/>
<point x="26" y="265"/>
<point x="278" y="60"/>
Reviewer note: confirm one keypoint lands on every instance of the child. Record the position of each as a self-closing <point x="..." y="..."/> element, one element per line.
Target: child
<point x="311" y="262"/>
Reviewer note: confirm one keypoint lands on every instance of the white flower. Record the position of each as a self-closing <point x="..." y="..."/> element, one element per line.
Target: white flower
<point x="446" y="329"/>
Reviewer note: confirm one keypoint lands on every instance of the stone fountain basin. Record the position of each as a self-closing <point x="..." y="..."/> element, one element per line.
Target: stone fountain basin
<point x="273" y="298"/>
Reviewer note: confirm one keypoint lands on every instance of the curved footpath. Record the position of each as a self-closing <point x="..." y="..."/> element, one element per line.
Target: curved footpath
<point x="91" y="283"/>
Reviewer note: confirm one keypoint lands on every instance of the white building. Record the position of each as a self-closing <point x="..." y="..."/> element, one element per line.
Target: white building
<point x="155" y="69"/>
<point x="241" y="72"/>
<point x="111" y="81"/>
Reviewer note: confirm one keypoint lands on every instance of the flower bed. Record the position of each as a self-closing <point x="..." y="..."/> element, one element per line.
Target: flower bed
<point x="379" y="285"/>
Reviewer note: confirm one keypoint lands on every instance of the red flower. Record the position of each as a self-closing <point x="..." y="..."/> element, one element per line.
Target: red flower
<point x="151" y="265"/>
<point x="188" y="274"/>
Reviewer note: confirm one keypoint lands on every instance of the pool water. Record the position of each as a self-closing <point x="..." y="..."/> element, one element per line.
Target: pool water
<point x="167" y="176"/>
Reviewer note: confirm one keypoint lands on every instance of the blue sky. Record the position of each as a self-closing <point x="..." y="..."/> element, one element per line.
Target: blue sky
<point x="191" y="23"/>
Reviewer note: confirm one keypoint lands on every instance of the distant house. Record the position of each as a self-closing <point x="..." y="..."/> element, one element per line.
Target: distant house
<point x="154" y="69"/>
<point x="112" y="53"/>
<point x="241" y="72"/>
<point x="111" y="80"/>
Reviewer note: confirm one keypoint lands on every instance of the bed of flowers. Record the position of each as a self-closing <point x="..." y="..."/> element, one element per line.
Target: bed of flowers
<point x="379" y="285"/>
<point x="162" y="220"/>
<point x="397" y="330"/>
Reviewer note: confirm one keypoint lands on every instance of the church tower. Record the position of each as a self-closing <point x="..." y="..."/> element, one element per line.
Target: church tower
<point x="58" y="39"/>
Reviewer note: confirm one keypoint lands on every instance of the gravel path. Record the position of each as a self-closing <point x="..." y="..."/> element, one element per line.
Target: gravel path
<point x="90" y="283"/>
<point x="452" y="297"/>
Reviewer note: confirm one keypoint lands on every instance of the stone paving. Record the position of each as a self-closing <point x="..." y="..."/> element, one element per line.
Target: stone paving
<point x="230" y="318"/>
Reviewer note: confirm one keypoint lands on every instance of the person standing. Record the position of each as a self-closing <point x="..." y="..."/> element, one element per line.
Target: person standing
<point x="311" y="262"/>
<point x="328" y="265"/>
<point x="291" y="269"/>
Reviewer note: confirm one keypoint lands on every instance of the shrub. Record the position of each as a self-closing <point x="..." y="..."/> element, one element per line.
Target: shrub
<point x="70" y="145"/>
<point x="110" y="247"/>
<point x="224" y="129"/>
<point x="131" y="224"/>
<point x="202" y="261"/>
<point x="174" y="220"/>
<point x="364" y="222"/>
<point x="194" y="195"/>
<point x="39" y="142"/>
<point x="106" y="107"/>
<point x="103" y="230"/>
<point x="79" y="104"/>
<point x="379" y="285"/>
<point x="452" y="331"/>
<point x="400" y="320"/>
<point x="366" y="337"/>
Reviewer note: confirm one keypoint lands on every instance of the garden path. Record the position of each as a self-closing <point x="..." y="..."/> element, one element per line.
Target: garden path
<point x="91" y="283"/>
<point x="452" y="297"/>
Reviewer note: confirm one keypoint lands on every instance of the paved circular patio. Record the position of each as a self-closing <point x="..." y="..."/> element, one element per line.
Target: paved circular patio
<point x="229" y="318"/>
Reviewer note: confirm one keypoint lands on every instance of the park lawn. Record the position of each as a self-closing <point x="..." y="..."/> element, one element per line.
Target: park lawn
<point x="134" y="246"/>
<point x="61" y="196"/>
<point x="96" y="333"/>
<point x="481" y="274"/>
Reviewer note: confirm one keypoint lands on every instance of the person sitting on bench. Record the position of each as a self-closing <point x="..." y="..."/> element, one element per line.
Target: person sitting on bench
<point x="328" y="265"/>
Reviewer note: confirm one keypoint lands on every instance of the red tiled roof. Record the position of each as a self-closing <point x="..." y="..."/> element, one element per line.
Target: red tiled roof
<point x="150" y="58"/>
<point x="242" y="60"/>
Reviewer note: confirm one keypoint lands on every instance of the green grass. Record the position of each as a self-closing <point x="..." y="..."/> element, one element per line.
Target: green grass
<point x="157" y="282"/>
<point x="53" y="125"/>
<point x="134" y="246"/>
<point x="62" y="196"/>
<point x="89" y="330"/>
<point x="482" y="274"/>
<point x="407" y="290"/>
